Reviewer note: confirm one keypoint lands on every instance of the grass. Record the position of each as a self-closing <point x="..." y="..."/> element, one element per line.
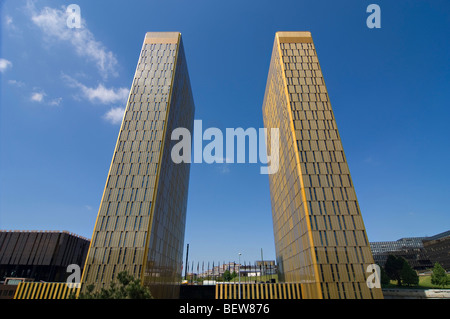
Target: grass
<point x="244" y="280"/>
<point x="257" y="279"/>
<point x="424" y="283"/>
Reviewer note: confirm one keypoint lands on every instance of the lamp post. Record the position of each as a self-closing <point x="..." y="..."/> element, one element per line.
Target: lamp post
<point x="240" y="275"/>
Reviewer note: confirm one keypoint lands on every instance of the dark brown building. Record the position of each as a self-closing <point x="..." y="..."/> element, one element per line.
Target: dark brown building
<point x="420" y="252"/>
<point x="40" y="255"/>
<point x="438" y="249"/>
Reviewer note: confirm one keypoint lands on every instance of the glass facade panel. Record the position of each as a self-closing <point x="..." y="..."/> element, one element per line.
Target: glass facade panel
<point x="316" y="216"/>
<point x="141" y="220"/>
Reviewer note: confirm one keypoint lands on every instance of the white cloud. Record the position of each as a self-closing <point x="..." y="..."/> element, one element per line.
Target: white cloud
<point x="4" y="65"/>
<point x="223" y="163"/>
<point x="53" y="22"/>
<point x="105" y="95"/>
<point x="55" y="102"/>
<point x="225" y="169"/>
<point x="100" y="93"/>
<point x="37" y="96"/>
<point x="16" y="83"/>
<point x="9" y="21"/>
<point x="11" y="26"/>
<point x="371" y="161"/>
<point x="115" y="115"/>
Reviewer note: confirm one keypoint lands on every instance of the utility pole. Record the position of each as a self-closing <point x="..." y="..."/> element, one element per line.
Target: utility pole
<point x="186" y="265"/>
<point x="262" y="263"/>
<point x="239" y="275"/>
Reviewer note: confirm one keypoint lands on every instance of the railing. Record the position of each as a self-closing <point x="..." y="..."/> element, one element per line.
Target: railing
<point x="259" y="291"/>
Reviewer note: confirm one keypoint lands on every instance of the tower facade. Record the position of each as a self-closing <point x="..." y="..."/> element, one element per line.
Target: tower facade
<point x="320" y="238"/>
<point x="141" y="220"/>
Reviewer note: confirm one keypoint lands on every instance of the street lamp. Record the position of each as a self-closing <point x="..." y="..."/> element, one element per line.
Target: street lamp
<point x="240" y="275"/>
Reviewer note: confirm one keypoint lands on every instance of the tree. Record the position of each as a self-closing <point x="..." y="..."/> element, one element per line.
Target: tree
<point x="227" y="275"/>
<point x="393" y="268"/>
<point x="397" y="268"/>
<point x="409" y="275"/>
<point x="128" y="288"/>
<point x="384" y="277"/>
<point x="439" y="277"/>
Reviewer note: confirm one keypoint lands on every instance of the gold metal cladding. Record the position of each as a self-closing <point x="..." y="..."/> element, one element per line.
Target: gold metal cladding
<point x="131" y="253"/>
<point x="297" y="157"/>
<point x="161" y="37"/>
<point x="161" y="152"/>
<point x="294" y="37"/>
<point x="84" y="273"/>
<point x="320" y="236"/>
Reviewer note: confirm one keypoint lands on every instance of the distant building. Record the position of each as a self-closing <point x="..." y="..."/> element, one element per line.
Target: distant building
<point x="217" y="271"/>
<point x="400" y="244"/>
<point x="9" y="286"/>
<point x="438" y="249"/>
<point x="40" y="256"/>
<point x="420" y="252"/>
<point x="259" y="268"/>
<point x="268" y="267"/>
<point x="410" y="248"/>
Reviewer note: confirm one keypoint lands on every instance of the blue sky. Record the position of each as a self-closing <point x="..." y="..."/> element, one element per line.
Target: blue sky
<point x="63" y="91"/>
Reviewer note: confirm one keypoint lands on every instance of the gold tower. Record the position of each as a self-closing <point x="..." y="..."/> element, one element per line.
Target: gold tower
<point x="320" y="238"/>
<point x="141" y="220"/>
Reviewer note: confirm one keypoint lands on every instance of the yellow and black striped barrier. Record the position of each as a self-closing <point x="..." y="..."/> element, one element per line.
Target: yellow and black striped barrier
<point x="259" y="291"/>
<point x="58" y="290"/>
<point x="44" y="290"/>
